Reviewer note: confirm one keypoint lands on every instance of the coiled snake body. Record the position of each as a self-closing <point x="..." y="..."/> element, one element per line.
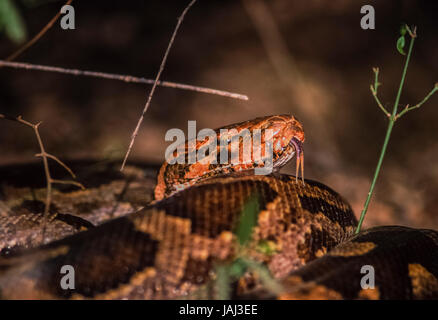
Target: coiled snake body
<point x="170" y="248"/>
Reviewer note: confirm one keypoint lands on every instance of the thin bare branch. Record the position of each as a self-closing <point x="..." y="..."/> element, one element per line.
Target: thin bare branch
<point x="418" y="105"/>
<point x="75" y="183"/>
<point x="374" y="93"/>
<point x="120" y="77"/>
<point x="374" y="89"/>
<point x="48" y="155"/>
<point x="376" y="78"/>
<point x="38" y="36"/>
<point x="157" y="78"/>
<point x="413" y="32"/>
<point x="44" y="155"/>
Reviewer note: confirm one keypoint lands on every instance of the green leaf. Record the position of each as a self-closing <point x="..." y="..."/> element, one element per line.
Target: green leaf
<point x="237" y="268"/>
<point x="403" y="29"/>
<point x="248" y="220"/>
<point x="267" y="247"/>
<point x="401" y="44"/>
<point x="11" y="21"/>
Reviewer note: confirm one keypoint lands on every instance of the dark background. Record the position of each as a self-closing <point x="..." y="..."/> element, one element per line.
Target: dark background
<point x="316" y="67"/>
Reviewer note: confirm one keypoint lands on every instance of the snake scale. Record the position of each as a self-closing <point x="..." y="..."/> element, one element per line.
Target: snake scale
<point x="122" y="244"/>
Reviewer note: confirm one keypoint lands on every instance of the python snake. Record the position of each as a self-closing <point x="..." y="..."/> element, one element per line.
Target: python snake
<point x="123" y="245"/>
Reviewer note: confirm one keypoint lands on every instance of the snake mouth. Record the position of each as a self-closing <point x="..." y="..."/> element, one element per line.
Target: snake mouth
<point x="298" y="145"/>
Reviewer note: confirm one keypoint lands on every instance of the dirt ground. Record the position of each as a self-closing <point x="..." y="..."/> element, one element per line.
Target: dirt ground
<point x="306" y="58"/>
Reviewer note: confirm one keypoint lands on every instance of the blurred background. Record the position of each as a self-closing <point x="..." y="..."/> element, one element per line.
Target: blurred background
<point x="308" y="58"/>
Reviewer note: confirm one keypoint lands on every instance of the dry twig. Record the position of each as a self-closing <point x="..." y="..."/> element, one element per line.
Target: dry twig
<point x="157" y="78"/>
<point x="38" y="36"/>
<point x="45" y="156"/>
<point x="120" y="77"/>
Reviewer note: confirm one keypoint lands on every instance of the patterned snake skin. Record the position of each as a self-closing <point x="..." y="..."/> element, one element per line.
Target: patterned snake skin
<point x="169" y="248"/>
<point x="120" y="244"/>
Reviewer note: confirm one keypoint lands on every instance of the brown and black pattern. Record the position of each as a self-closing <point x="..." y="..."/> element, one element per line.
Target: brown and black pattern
<point x="109" y="194"/>
<point x="405" y="262"/>
<point x="169" y="248"/>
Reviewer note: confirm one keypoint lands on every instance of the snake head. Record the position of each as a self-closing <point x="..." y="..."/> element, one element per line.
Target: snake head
<point x="284" y="132"/>
<point x="288" y="139"/>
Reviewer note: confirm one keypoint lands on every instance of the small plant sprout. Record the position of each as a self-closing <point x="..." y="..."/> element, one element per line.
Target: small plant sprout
<point x="394" y="115"/>
<point x="242" y="263"/>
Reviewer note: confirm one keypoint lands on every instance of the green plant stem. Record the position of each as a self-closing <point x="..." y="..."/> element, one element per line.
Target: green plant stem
<point x="376" y="79"/>
<point x="392" y="120"/>
<point x="407" y="109"/>
<point x="374" y="92"/>
<point x="376" y="175"/>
